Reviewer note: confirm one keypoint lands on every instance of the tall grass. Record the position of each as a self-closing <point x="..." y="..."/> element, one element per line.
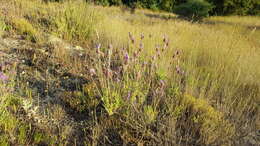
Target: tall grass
<point x="169" y="81"/>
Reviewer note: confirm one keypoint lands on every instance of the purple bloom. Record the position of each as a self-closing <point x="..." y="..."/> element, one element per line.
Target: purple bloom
<point x="3" y="77"/>
<point x="126" y="57"/>
<point x="128" y="96"/>
<point x="98" y="46"/>
<point x="92" y="72"/>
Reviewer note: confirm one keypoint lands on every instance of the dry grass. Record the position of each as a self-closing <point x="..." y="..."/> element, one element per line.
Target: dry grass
<point x="207" y="94"/>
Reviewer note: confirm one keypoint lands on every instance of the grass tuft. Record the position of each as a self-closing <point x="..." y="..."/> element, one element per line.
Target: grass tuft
<point x="25" y="28"/>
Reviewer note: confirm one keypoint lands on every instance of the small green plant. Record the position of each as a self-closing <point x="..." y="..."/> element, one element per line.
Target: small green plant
<point x="38" y="137"/>
<point x="25" y="28"/>
<point x="2" y="26"/>
<point x="194" y="9"/>
<point x="22" y="134"/>
<point x="150" y="114"/>
<point x="112" y="101"/>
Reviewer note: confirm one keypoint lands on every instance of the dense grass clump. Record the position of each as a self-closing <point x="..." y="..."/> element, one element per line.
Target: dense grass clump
<point x="25" y="28"/>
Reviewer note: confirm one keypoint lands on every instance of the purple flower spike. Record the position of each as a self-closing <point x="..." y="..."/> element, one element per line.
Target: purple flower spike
<point x="128" y="96"/>
<point x="92" y="72"/>
<point x="98" y="46"/>
<point x="126" y="57"/>
<point x="3" y="77"/>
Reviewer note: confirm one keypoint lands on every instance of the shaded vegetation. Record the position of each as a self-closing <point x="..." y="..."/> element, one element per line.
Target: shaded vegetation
<point x="221" y="7"/>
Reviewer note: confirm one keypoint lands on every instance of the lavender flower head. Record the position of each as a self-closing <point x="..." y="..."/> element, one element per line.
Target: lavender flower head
<point x="98" y="46"/>
<point x="128" y="96"/>
<point x="126" y="57"/>
<point x="92" y="72"/>
<point x="3" y="77"/>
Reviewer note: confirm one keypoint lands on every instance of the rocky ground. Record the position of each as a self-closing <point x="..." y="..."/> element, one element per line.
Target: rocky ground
<point x="49" y="83"/>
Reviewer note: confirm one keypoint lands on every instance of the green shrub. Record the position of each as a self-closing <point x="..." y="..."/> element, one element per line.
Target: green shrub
<point x="235" y="7"/>
<point x="115" y="2"/>
<point x="203" y="122"/>
<point x="108" y="2"/>
<point x="102" y="2"/>
<point x="167" y="5"/>
<point x="25" y="28"/>
<point x="194" y="9"/>
<point x="239" y="7"/>
<point x="221" y="7"/>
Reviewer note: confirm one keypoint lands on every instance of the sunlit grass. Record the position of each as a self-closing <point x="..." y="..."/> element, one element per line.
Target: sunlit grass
<point x="217" y="65"/>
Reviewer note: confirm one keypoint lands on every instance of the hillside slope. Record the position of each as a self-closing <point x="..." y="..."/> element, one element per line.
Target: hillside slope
<point x="78" y="74"/>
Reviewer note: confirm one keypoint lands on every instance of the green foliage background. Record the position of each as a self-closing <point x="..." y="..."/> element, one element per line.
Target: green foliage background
<point x="194" y="9"/>
<point x="221" y="7"/>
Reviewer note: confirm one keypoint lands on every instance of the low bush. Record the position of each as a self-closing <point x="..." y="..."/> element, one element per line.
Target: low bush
<point x="207" y="124"/>
<point x="25" y="28"/>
